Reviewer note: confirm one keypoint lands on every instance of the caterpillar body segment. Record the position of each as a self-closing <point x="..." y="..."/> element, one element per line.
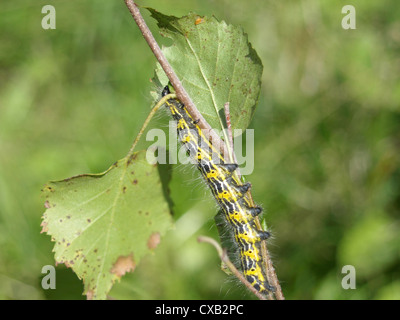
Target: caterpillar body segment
<point x="228" y="191"/>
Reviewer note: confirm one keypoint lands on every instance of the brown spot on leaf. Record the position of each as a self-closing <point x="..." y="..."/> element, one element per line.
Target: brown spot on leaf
<point x="47" y="204"/>
<point x="198" y="21"/>
<point x="44" y="227"/>
<point x="135" y="181"/>
<point x="90" y="294"/>
<point x="131" y="158"/>
<point x="123" y="265"/>
<point x="48" y="188"/>
<point x="124" y="189"/>
<point x="154" y="240"/>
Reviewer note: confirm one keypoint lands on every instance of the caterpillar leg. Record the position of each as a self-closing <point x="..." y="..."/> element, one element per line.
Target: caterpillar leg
<point x="255" y="211"/>
<point x="230" y="167"/>
<point x="264" y="235"/>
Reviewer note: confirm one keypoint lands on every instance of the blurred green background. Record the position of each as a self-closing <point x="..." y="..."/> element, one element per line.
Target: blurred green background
<point x="326" y="129"/>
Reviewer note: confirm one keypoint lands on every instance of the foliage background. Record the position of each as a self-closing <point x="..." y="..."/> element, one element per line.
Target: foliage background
<point x="326" y="129"/>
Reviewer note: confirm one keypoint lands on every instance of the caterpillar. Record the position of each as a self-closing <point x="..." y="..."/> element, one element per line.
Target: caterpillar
<point x="228" y="191"/>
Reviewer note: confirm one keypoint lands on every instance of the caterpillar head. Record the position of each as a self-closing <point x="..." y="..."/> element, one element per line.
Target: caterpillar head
<point x="165" y="91"/>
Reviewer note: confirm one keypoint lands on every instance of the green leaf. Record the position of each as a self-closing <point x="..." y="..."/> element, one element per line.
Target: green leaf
<point x="215" y="63"/>
<point x="103" y="224"/>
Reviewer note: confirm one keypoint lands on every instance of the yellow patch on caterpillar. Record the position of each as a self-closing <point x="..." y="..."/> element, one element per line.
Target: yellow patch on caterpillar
<point x="226" y="195"/>
<point x="252" y="254"/>
<point x="181" y="125"/>
<point x="253" y="271"/>
<point x="185" y="138"/>
<point x="212" y="174"/>
<point x="248" y="237"/>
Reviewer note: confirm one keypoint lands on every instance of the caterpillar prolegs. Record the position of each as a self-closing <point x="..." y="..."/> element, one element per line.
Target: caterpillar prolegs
<point x="228" y="191"/>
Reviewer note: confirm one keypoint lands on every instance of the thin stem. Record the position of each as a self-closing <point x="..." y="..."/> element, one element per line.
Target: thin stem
<point x="225" y="259"/>
<point x="146" y="122"/>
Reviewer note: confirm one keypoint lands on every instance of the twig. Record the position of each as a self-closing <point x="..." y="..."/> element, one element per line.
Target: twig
<point x="272" y="275"/>
<point x="232" y="155"/>
<point x="224" y="258"/>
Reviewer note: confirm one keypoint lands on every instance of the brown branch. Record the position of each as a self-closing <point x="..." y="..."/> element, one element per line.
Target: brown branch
<point x="232" y="155"/>
<point x="271" y="273"/>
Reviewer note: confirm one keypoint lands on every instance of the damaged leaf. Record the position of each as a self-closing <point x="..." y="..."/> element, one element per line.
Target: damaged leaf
<point x="101" y="223"/>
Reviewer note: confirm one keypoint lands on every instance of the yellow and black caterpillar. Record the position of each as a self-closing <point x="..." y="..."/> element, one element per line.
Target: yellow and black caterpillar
<point x="228" y="191"/>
